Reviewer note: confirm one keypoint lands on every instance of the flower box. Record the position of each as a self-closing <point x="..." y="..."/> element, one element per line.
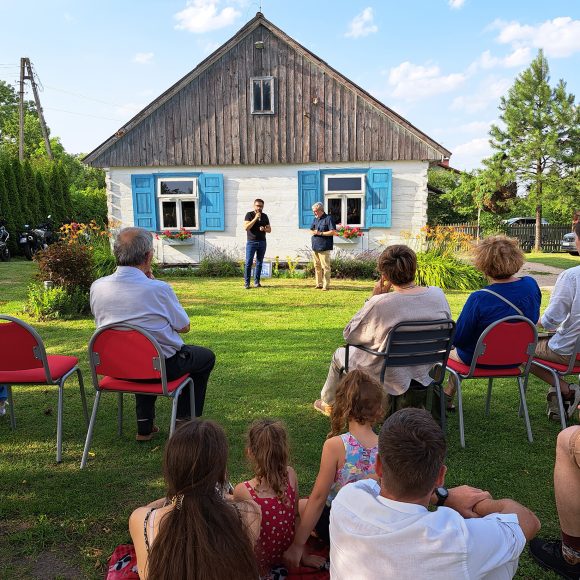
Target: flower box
<point x="339" y="240"/>
<point x="171" y="242"/>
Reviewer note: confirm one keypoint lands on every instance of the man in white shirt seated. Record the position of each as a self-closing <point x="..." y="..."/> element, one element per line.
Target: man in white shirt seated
<point x="386" y="531"/>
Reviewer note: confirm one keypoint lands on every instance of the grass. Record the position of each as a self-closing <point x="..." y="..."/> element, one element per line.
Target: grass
<point x="563" y="261"/>
<point x="273" y="348"/>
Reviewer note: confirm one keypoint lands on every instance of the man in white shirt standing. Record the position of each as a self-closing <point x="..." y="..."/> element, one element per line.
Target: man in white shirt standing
<point x="132" y="295"/>
<point x="386" y="530"/>
<point x="563" y="316"/>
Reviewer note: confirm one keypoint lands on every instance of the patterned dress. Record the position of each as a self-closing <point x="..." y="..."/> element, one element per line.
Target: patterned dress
<point x="277" y="527"/>
<point x="359" y="463"/>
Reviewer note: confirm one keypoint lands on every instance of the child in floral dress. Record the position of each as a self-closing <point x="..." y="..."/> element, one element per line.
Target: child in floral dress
<point x="359" y="404"/>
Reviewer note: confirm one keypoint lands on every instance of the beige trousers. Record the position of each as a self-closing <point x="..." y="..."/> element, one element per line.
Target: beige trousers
<point x="322" y="268"/>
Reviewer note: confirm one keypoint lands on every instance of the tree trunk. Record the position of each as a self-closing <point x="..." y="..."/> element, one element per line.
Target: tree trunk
<point x="538" y="238"/>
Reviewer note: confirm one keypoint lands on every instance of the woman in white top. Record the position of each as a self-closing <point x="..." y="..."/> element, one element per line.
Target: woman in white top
<point x="196" y="532"/>
<point x="396" y="298"/>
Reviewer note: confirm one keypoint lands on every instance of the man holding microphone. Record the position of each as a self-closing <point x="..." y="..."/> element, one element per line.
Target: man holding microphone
<point x="257" y="225"/>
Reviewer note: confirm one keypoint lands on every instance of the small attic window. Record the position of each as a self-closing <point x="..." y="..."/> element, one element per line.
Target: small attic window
<point x="262" y="95"/>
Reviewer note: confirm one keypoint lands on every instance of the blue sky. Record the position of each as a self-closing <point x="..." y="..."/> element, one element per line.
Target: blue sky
<point x="441" y="64"/>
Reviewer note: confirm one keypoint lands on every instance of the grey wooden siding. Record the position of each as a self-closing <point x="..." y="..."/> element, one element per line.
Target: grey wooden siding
<point x="320" y="116"/>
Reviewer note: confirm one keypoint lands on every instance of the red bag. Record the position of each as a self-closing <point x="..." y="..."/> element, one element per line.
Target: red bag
<point x="123" y="564"/>
<point x="317" y="547"/>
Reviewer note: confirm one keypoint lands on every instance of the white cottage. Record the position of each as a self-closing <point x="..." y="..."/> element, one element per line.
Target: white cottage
<point x="265" y="117"/>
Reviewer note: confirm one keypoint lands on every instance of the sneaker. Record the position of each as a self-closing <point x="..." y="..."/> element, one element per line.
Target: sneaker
<point x="574" y="401"/>
<point x="553" y="409"/>
<point x="258" y="285"/>
<point x="548" y="554"/>
<point x="247" y="286"/>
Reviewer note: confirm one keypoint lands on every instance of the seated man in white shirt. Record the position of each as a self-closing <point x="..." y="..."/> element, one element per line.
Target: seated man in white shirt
<point x="132" y="295"/>
<point x="386" y="530"/>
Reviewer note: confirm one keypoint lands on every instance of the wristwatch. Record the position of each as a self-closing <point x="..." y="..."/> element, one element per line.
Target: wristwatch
<point x="442" y="494"/>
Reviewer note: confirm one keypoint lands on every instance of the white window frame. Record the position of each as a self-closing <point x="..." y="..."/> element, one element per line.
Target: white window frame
<point x="345" y="195"/>
<point x="178" y="199"/>
<point x="272" y="95"/>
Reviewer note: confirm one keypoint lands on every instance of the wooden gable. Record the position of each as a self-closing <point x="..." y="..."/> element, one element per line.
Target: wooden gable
<point x="205" y="119"/>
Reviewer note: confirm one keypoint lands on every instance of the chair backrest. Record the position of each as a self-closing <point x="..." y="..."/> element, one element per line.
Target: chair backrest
<point x="418" y="342"/>
<point x="508" y="342"/>
<point x="21" y="347"/>
<point x="574" y="358"/>
<point x="125" y="351"/>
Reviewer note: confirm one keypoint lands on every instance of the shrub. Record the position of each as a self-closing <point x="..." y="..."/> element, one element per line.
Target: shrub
<point x="288" y="269"/>
<point x="57" y="302"/>
<point x="89" y="204"/>
<point x="218" y="264"/>
<point x="67" y="265"/>
<point x="359" y="266"/>
<point x="447" y="272"/>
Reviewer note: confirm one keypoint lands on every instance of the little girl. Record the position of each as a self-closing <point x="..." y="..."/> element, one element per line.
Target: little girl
<point x="359" y="404"/>
<point x="274" y="488"/>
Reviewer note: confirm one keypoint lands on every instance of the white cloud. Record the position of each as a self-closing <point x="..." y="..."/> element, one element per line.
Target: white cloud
<point x="456" y="4"/>
<point x="416" y="82"/>
<point x="486" y="61"/>
<point x="559" y="37"/>
<point x="143" y="57"/>
<point x="362" y="24"/>
<point x="468" y="155"/>
<point x="203" y="15"/>
<point x="489" y="91"/>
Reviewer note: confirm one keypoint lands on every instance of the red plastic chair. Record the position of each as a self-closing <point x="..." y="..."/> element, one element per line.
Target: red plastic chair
<point x="559" y="370"/>
<point x="507" y="342"/>
<point x="130" y="360"/>
<point x="23" y="361"/>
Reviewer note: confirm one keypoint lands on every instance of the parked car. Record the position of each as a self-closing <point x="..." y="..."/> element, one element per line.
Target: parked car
<point x="568" y="244"/>
<point x="517" y="221"/>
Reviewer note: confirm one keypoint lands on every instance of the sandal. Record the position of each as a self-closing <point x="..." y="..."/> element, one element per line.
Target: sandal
<point x="322" y="407"/>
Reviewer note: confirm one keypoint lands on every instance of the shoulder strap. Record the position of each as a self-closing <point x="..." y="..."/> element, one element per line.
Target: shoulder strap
<point x="145" y="522"/>
<point x="504" y="299"/>
<point x="250" y="490"/>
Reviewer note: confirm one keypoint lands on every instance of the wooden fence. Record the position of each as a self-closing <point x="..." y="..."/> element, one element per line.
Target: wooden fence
<point x="525" y="233"/>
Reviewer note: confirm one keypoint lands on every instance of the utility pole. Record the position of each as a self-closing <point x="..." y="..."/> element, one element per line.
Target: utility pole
<point x="26" y="67"/>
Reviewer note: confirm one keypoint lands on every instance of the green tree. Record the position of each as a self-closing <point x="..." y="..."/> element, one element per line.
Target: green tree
<point x="6" y="214"/>
<point x="12" y="190"/>
<point x="440" y="210"/>
<point x="539" y="138"/>
<point x="44" y="200"/>
<point x="55" y="188"/>
<point x="21" y="192"/>
<point x="31" y="193"/>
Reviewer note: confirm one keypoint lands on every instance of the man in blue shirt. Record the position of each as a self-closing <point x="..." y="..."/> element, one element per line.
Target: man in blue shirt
<point x="323" y="229"/>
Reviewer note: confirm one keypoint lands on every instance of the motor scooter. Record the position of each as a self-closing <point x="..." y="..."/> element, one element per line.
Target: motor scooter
<point x="4" y="235"/>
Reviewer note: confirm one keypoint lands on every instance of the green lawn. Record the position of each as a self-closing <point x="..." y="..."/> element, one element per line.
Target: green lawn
<point x="561" y="260"/>
<point x="273" y="348"/>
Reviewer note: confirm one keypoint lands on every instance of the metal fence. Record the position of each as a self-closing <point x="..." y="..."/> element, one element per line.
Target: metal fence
<point x="525" y="233"/>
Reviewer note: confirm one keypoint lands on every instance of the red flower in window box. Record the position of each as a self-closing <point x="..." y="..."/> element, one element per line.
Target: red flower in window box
<point x="348" y="232"/>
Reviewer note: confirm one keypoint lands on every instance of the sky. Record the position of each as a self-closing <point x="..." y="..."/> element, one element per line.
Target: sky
<point x="441" y="64"/>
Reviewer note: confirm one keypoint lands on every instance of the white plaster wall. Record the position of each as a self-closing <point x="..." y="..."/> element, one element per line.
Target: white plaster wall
<point x="277" y="185"/>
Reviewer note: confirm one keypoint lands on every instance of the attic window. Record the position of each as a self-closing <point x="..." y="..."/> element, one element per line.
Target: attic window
<point x="262" y="95"/>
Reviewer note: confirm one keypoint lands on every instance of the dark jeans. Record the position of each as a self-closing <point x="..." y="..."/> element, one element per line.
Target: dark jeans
<point x="195" y="360"/>
<point x="259" y="249"/>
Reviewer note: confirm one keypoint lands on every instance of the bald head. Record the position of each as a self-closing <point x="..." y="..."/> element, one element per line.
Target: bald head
<point x="132" y="247"/>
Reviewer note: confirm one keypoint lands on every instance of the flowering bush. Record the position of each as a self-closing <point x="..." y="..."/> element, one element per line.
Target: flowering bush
<point x="181" y="234"/>
<point x="348" y="232"/>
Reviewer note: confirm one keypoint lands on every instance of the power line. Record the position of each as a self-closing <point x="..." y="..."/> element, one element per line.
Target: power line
<point x="83" y="114"/>
<point x="82" y="96"/>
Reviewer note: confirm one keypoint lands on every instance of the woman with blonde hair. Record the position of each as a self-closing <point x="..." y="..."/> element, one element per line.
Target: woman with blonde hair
<point x="499" y="258"/>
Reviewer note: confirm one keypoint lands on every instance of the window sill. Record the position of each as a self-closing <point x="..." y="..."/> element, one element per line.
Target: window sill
<point x="339" y="240"/>
<point x="188" y="242"/>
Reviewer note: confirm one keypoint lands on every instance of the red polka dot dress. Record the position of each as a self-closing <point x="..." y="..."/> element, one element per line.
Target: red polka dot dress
<point x="277" y="528"/>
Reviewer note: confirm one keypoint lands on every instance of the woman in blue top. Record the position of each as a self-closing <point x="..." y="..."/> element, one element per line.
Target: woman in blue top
<point x="499" y="258"/>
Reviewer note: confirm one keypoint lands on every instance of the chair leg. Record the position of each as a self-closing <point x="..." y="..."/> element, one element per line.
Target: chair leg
<point x="488" y="400"/>
<point x="90" y="430"/>
<point x="191" y="399"/>
<point x="83" y="395"/>
<point x="59" y="421"/>
<point x="173" y="414"/>
<point x="460" y="411"/>
<point x="522" y="386"/>
<point x="120" y="414"/>
<point x="11" y="408"/>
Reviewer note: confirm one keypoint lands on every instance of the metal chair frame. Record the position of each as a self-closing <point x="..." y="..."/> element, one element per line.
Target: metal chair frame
<point x="158" y="364"/>
<point x="40" y="354"/>
<point x="414" y="343"/>
<point x="522" y="378"/>
<point x="556" y="375"/>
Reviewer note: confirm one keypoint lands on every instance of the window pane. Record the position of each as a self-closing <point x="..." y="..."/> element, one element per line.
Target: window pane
<point x="184" y="187"/>
<point x="353" y="211"/>
<point x="266" y="96"/>
<point x="188" y="214"/>
<point x="345" y="184"/>
<point x="257" y="95"/>
<point x="335" y="210"/>
<point x="169" y="214"/>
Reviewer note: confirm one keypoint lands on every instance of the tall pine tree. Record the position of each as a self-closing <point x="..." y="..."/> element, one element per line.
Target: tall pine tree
<point x="44" y="200"/>
<point x="64" y="183"/>
<point x="6" y="214"/>
<point x="56" y="193"/>
<point x="31" y="193"/>
<point x="540" y="136"/>
<point x="13" y="199"/>
<point x="21" y="192"/>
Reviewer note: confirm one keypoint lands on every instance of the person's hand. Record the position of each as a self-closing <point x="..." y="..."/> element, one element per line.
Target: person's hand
<point x="463" y="499"/>
<point x="262" y="228"/>
<point x="313" y="561"/>
<point x="293" y="555"/>
<point x="382" y="286"/>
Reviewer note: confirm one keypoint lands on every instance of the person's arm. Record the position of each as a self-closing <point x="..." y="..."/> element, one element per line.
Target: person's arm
<point x="331" y="454"/>
<point x="560" y="304"/>
<point x="527" y="519"/>
<point x="250" y="223"/>
<point x="266" y="227"/>
<point x="185" y="329"/>
<point x="241" y="493"/>
<point x="382" y="286"/>
<point x="467" y="327"/>
<point x="175" y="313"/>
<point x="462" y="499"/>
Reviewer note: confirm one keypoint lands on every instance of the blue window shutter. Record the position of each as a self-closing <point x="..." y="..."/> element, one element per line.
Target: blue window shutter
<point x="144" y="202"/>
<point x="211" y="212"/>
<point x="378" y="198"/>
<point x="308" y="194"/>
